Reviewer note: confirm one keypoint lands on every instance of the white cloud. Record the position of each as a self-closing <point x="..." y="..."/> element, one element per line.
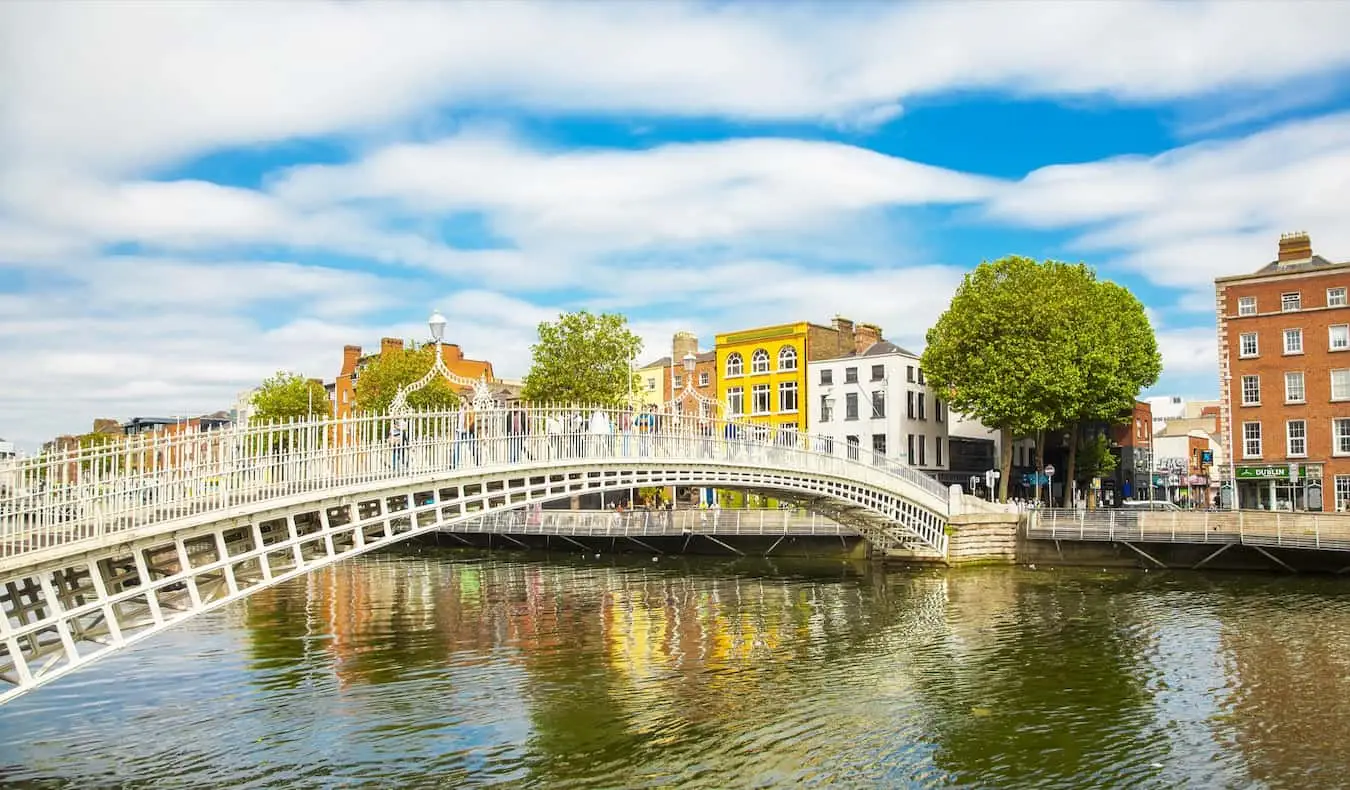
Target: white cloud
<point x="129" y="86"/>
<point x="1189" y="351"/>
<point x="1205" y="210"/>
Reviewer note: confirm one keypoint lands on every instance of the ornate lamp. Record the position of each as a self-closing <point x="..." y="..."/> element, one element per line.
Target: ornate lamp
<point x="482" y="393"/>
<point x="688" y="391"/>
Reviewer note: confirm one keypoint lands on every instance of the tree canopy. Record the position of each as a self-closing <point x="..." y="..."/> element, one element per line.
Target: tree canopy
<point x="1027" y="347"/>
<point x="287" y="396"/>
<point x="379" y="381"/>
<point x="582" y="358"/>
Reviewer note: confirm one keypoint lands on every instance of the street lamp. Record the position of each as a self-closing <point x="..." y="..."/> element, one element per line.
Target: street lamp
<point x="482" y="393"/>
<point x="437" y="325"/>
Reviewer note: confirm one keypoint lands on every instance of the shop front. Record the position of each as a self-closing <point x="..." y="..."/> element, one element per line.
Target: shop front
<point x="1285" y="487"/>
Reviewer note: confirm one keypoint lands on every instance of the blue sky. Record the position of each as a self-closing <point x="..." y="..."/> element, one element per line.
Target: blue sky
<point x="195" y="195"/>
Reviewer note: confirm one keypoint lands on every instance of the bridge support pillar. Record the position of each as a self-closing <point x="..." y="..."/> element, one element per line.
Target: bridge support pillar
<point x="982" y="539"/>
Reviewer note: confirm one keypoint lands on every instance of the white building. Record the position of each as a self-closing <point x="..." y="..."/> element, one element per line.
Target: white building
<point x="878" y="401"/>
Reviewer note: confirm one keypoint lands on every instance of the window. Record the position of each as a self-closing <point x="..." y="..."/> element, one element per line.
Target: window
<point x="938" y="409"/>
<point x="1342" y="493"/>
<point x="703" y="379"/>
<point x="1248" y="346"/>
<point x="909" y="374"/>
<point x="1340" y="385"/>
<point x="735" y="365"/>
<point x="1293" y="387"/>
<point x="736" y="401"/>
<point x="1340" y="436"/>
<point x="878" y="404"/>
<point x="923" y="441"/>
<point x="1296" y="438"/>
<point x="1247" y="305"/>
<point x="759" y="399"/>
<point x="937" y="451"/>
<point x="826" y="408"/>
<point x="878" y="372"/>
<point x="787" y="358"/>
<point x="1251" y="390"/>
<point x="851" y="406"/>
<point x="879" y="444"/>
<point x="759" y="361"/>
<point x="1251" y="440"/>
<point x="1293" y="341"/>
<point x="909" y="405"/>
<point x="852" y="448"/>
<point x="1336" y="297"/>
<point x="827" y="377"/>
<point x="921" y="381"/>
<point x="787" y="396"/>
<point x="678" y="382"/>
<point x="1290" y="302"/>
<point x="910" y="457"/>
<point x="850" y="375"/>
<point x="651" y="385"/>
<point x="1338" y="337"/>
<point x="922" y="416"/>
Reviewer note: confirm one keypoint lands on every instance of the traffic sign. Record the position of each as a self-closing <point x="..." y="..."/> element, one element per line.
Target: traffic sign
<point x="1049" y="470"/>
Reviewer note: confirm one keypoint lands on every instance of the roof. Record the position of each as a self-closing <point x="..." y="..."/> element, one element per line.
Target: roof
<point x="663" y="362"/>
<point x="1312" y="265"/>
<point x="878" y="349"/>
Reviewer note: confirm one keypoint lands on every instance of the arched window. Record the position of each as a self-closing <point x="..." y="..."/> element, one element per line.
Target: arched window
<point x="759" y="361"/>
<point x="735" y="365"/>
<point x="787" y="358"/>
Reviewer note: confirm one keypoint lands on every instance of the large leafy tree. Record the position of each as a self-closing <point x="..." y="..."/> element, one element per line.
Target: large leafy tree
<point x="287" y="396"/>
<point x="582" y="358"/>
<point x="379" y="381"/>
<point x="1005" y="352"/>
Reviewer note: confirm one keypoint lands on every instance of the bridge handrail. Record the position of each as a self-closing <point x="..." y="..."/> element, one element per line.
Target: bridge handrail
<point x="639" y="521"/>
<point x="136" y="481"/>
<point x="1249" y="527"/>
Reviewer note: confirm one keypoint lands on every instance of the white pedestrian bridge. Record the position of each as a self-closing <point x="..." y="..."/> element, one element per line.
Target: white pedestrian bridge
<point x="106" y="545"/>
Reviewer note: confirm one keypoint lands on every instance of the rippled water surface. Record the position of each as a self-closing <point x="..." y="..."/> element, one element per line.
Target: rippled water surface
<point x="440" y="670"/>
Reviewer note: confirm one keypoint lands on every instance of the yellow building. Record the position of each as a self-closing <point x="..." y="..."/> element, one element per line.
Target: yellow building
<point x="762" y="372"/>
<point x="651" y="383"/>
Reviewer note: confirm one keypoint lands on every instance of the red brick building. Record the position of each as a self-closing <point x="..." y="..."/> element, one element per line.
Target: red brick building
<point x="1284" y="379"/>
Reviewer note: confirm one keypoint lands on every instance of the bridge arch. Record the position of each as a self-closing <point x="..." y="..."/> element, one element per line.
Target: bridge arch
<point x="72" y="602"/>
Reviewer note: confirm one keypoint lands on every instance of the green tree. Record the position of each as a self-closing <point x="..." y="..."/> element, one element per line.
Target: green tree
<point x="582" y="358"/>
<point x="289" y="396"/>
<point x="1095" y="459"/>
<point x="1118" y="356"/>
<point x="379" y="381"/>
<point x="1004" y="350"/>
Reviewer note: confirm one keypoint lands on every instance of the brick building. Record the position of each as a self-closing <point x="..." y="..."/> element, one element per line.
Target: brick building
<point x="1284" y="380"/>
<point x="344" y="387"/>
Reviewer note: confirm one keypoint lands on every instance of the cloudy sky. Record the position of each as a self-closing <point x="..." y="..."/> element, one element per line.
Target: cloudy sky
<point x="194" y="195"/>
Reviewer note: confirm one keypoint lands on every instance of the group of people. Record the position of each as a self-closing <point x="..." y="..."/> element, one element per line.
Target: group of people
<point x="515" y="434"/>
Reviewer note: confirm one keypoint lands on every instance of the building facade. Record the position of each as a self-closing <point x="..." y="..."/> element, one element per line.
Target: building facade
<point x="1284" y="379"/>
<point x="662" y="381"/>
<point x="762" y="376"/>
<point x="876" y="400"/>
<point x="344" y="386"/>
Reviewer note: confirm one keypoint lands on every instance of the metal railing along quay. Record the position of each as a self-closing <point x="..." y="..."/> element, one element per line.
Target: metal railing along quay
<point x="1329" y="531"/>
<point x="649" y="523"/>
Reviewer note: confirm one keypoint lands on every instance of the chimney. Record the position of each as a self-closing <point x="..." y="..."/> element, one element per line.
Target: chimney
<point x="866" y="336"/>
<point x="843" y="328"/>
<point x="389" y="345"/>
<point x="350" y="356"/>
<point x="1295" y="247"/>
<point x="683" y="343"/>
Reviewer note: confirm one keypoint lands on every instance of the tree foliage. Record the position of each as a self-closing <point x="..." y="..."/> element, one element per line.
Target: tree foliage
<point x="582" y="358"/>
<point x="1027" y="347"/>
<point x="379" y="381"/>
<point x="289" y="396"/>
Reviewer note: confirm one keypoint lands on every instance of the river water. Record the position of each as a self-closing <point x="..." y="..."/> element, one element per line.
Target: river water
<point x="425" y="668"/>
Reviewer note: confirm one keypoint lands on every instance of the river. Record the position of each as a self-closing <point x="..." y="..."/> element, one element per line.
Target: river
<point x="427" y="668"/>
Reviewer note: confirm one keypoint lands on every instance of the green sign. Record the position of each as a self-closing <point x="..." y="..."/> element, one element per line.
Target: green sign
<point x="1272" y="472"/>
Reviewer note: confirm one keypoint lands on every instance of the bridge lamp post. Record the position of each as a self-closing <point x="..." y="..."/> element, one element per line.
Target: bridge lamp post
<point x="482" y="392"/>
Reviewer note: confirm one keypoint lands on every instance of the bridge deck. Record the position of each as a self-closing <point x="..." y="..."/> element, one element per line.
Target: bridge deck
<point x="1325" y="531"/>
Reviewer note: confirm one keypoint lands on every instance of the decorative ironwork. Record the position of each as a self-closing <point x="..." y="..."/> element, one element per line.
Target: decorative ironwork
<point x="482" y="391"/>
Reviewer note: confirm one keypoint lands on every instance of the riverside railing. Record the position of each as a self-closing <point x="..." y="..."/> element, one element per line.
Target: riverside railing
<point x="641" y="522"/>
<point x="1250" y="527"/>
<point x="145" y="480"/>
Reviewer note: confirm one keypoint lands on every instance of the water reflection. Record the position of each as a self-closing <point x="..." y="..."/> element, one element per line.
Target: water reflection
<point x="440" y="670"/>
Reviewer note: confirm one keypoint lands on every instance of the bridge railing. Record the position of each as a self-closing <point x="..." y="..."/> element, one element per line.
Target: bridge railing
<point x="640" y="522"/>
<point x="144" y="480"/>
<point x="1251" y="527"/>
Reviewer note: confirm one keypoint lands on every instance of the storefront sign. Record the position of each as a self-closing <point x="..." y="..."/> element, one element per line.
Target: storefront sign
<point x="1280" y="472"/>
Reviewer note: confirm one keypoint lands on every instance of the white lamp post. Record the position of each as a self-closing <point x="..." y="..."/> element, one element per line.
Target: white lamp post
<point x="482" y="393"/>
